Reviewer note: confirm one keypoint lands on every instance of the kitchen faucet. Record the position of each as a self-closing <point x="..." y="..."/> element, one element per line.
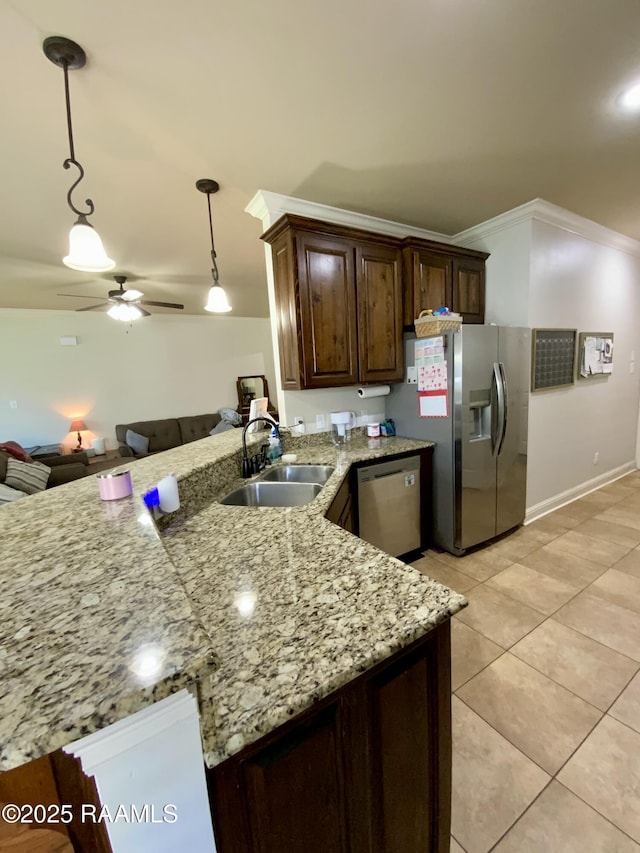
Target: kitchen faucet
<point x="254" y="464"/>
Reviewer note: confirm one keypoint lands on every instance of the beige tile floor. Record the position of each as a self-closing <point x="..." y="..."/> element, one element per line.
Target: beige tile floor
<point x="546" y="681"/>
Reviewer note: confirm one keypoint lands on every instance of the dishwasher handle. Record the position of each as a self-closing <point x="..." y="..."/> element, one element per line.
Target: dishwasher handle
<point x="389" y="473"/>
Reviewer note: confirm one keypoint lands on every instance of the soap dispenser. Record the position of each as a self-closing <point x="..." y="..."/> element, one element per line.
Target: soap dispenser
<point x="275" y="445"/>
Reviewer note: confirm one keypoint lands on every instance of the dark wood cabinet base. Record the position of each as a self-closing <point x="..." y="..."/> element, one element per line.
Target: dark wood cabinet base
<point x="366" y="770"/>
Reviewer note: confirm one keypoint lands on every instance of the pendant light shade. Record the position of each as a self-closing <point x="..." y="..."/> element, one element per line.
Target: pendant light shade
<point x="86" y="251"/>
<point x="217" y="302"/>
<point x="125" y="313"/>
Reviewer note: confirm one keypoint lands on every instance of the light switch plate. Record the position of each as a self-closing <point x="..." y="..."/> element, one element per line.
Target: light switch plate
<point x="321" y="422"/>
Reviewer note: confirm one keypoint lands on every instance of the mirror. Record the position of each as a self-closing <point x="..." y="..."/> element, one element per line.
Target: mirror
<point x="251" y="388"/>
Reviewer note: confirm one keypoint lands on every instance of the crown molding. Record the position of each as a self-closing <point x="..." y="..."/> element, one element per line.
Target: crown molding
<point x="540" y="210"/>
<point x="269" y="207"/>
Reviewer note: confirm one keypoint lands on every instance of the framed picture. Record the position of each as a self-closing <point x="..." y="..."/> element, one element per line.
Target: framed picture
<point x="596" y="354"/>
<point x="553" y="357"/>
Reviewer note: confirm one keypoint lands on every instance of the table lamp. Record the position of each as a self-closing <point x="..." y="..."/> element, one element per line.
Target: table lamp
<point x="76" y="426"/>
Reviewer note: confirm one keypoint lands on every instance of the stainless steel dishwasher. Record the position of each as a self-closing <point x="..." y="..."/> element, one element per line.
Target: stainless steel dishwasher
<point x="389" y="505"/>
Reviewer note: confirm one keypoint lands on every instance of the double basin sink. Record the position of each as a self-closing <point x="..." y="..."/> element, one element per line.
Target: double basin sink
<point x="284" y="485"/>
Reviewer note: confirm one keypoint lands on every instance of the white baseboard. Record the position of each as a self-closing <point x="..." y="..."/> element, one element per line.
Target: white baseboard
<point x="536" y="511"/>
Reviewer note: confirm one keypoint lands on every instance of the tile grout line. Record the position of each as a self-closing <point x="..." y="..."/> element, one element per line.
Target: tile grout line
<point x="601" y="713"/>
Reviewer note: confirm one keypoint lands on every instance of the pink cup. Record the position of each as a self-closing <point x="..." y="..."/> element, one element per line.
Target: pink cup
<point x="114" y="486"/>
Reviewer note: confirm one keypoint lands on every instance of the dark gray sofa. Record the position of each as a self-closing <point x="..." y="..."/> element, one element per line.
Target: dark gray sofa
<point x="167" y="433"/>
<point x="64" y="469"/>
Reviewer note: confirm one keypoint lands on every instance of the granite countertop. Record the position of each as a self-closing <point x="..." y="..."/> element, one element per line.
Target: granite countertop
<point x="265" y="610"/>
<point x="295" y="605"/>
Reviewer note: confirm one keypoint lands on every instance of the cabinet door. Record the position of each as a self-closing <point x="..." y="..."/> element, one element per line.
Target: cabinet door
<point x="340" y="511"/>
<point x="287" y="317"/>
<point x="379" y="313"/>
<point x="291" y="793"/>
<point x="409" y="736"/>
<point x="432" y="282"/>
<point x="328" y="310"/>
<point x="469" y="289"/>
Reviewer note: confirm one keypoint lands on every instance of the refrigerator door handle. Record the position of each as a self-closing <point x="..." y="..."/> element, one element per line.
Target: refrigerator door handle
<point x="498" y="414"/>
<point x="503" y="404"/>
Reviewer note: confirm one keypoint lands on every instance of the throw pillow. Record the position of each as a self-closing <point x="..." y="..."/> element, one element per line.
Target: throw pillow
<point x="138" y="443"/>
<point x="8" y="494"/>
<point x="28" y="477"/>
<point x="223" y="426"/>
<point x="230" y="416"/>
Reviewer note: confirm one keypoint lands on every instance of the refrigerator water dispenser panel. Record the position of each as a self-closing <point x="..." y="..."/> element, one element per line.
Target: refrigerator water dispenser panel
<point x="480" y="414"/>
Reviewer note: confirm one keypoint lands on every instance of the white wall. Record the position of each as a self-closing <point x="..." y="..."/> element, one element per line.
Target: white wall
<point x="162" y="366"/>
<point x="507" y="273"/>
<point x="582" y="284"/>
<point x="547" y="275"/>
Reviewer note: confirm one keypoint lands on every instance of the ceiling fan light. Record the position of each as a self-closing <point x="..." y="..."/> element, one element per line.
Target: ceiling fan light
<point x="125" y="313"/>
<point x="217" y="303"/>
<point x="132" y="294"/>
<point x="630" y="99"/>
<point x="86" y="252"/>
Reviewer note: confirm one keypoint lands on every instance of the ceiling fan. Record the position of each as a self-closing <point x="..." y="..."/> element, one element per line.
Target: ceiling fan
<point x="125" y="304"/>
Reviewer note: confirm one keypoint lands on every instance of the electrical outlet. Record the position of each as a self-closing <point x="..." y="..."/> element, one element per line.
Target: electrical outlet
<point x="298" y="423"/>
<point x="13" y="404"/>
<point x="412" y="375"/>
<point x="596" y="458"/>
<point x="321" y="422"/>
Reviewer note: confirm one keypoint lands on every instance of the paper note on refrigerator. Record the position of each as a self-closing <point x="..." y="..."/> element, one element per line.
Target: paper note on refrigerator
<point x="432" y="377"/>
<point x="429" y="351"/>
<point x="433" y="404"/>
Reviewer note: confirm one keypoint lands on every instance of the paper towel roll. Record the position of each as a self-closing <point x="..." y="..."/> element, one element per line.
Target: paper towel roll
<point x="168" y="492"/>
<point x="374" y="391"/>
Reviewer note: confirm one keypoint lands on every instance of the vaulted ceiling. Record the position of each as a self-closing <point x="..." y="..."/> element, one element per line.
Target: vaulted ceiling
<point x="438" y="113"/>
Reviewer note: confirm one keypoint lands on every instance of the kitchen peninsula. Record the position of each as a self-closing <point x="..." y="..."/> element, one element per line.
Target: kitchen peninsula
<point x="283" y="620"/>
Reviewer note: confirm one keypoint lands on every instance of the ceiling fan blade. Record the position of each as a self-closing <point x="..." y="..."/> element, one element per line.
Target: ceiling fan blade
<point x="160" y="304"/>
<point x="91" y="307"/>
<point x="143" y="312"/>
<point x="77" y="296"/>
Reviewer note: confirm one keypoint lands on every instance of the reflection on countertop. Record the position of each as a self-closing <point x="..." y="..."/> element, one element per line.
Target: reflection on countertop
<point x="266" y="609"/>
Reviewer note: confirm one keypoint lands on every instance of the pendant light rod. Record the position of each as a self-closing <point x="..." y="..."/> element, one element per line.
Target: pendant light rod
<point x="208" y="186"/>
<point x="66" y="54"/>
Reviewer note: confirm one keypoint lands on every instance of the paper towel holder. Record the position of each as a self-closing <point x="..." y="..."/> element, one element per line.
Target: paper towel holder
<point x="367" y="391"/>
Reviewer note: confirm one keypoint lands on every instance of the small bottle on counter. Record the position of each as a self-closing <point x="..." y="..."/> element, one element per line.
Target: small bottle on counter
<point x="275" y="446"/>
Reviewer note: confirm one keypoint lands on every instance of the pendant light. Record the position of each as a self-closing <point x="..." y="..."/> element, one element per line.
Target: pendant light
<point x="217" y="302"/>
<point x="86" y="251"/>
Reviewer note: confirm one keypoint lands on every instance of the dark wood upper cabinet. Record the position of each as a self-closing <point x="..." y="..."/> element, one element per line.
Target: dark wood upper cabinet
<point x="437" y="274"/>
<point x="469" y="289"/>
<point x="343" y="296"/>
<point x="338" y="303"/>
<point x="379" y="300"/>
<point x="327" y="284"/>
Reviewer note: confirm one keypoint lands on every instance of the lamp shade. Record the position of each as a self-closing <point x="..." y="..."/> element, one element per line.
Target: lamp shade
<point x="86" y="251"/>
<point x="77" y="425"/>
<point x="123" y="312"/>
<point x="217" y="302"/>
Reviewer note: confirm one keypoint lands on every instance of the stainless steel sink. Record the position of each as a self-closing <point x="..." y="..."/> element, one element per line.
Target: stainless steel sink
<point x="298" y="474"/>
<point x="272" y="494"/>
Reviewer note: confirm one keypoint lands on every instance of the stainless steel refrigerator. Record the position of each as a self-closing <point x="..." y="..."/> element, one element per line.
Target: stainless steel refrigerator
<point x="480" y="457"/>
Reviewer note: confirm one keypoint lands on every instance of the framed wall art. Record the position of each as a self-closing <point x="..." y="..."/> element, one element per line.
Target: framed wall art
<point x="595" y="354"/>
<point x="553" y="357"/>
